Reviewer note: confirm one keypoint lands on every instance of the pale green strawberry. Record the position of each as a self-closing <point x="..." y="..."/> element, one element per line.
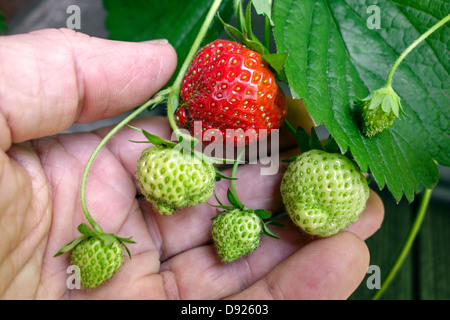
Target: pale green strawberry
<point x="236" y="233"/>
<point x="171" y="180"/>
<point x="323" y="192"/>
<point x="98" y="255"/>
<point x="97" y="259"/>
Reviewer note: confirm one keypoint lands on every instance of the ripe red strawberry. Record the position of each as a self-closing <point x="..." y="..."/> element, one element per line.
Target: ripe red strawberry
<point x="229" y="86"/>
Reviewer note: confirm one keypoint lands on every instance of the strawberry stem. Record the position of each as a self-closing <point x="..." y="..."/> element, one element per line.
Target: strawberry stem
<point x="157" y="99"/>
<point x="412" y="46"/>
<point x="408" y="243"/>
<point x="174" y="96"/>
<point x="290" y="127"/>
<point x="267" y="30"/>
<point x="233" y="176"/>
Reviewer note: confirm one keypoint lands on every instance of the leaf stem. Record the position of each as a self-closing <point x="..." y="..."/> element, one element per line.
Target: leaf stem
<point x="157" y="99"/>
<point x="412" y="46"/>
<point x="174" y="96"/>
<point x="233" y="175"/>
<point x="408" y="243"/>
<point x="267" y="30"/>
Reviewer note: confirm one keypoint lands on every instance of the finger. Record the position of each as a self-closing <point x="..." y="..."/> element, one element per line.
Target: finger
<point x="371" y="219"/>
<point x="329" y="268"/>
<point x="219" y="279"/>
<point x="51" y="78"/>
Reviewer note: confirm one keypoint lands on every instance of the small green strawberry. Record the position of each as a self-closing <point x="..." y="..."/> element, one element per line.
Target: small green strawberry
<point x="323" y="192"/>
<point x="236" y="233"/>
<point x="379" y="110"/>
<point x="97" y="261"/>
<point x="98" y="255"/>
<point x="172" y="177"/>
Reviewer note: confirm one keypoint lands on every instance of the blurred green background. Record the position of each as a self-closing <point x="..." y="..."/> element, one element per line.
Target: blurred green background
<point x="424" y="274"/>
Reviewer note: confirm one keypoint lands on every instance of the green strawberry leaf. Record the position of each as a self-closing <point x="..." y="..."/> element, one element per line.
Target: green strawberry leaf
<point x="264" y="7"/>
<point x="338" y="54"/>
<point x="175" y="20"/>
<point x="3" y="25"/>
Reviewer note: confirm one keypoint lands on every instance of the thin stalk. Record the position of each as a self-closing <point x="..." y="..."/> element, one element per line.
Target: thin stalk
<point x="158" y="98"/>
<point x="412" y="46"/>
<point x="174" y="96"/>
<point x="233" y="175"/>
<point x="408" y="243"/>
<point x="290" y="127"/>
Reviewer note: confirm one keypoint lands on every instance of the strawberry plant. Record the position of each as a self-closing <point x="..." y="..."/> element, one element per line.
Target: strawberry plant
<point x="381" y="93"/>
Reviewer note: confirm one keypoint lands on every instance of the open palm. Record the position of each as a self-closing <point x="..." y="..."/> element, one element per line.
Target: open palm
<point x="52" y="78"/>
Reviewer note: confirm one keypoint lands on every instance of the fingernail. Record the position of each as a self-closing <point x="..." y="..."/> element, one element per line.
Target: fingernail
<point x="158" y="41"/>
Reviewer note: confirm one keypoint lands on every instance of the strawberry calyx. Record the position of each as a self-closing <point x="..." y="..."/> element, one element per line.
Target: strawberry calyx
<point x="87" y="233"/>
<point x="244" y="34"/>
<point x="379" y="110"/>
<point x="235" y="203"/>
<point x="158" y="141"/>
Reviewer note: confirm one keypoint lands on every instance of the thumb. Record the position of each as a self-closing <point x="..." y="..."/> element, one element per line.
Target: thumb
<point x="52" y="78"/>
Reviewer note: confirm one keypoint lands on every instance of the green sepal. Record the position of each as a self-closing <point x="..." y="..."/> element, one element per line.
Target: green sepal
<point x="302" y="139"/>
<point x="273" y="220"/>
<point x="263" y="214"/>
<point x="244" y="34"/>
<point x="269" y="233"/>
<point x="220" y="175"/>
<point x="276" y="60"/>
<point x="290" y="159"/>
<point x="307" y="142"/>
<point x="233" y="199"/>
<point x="153" y="139"/>
<point x="331" y="145"/>
<point x="72" y="244"/>
<point x="314" y="141"/>
<point x="84" y="229"/>
<point x="123" y="241"/>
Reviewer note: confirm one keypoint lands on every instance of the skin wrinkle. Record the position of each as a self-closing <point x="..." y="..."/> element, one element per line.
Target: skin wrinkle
<point x="35" y="234"/>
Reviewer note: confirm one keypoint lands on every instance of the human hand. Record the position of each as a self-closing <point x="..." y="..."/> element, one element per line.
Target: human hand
<point x="52" y="78"/>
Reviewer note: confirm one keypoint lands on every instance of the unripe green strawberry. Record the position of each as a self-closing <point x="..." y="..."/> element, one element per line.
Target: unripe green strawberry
<point x="236" y="233"/>
<point x="323" y="192"/>
<point x="171" y="180"/>
<point x="98" y="259"/>
<point x="379" y="110"/>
